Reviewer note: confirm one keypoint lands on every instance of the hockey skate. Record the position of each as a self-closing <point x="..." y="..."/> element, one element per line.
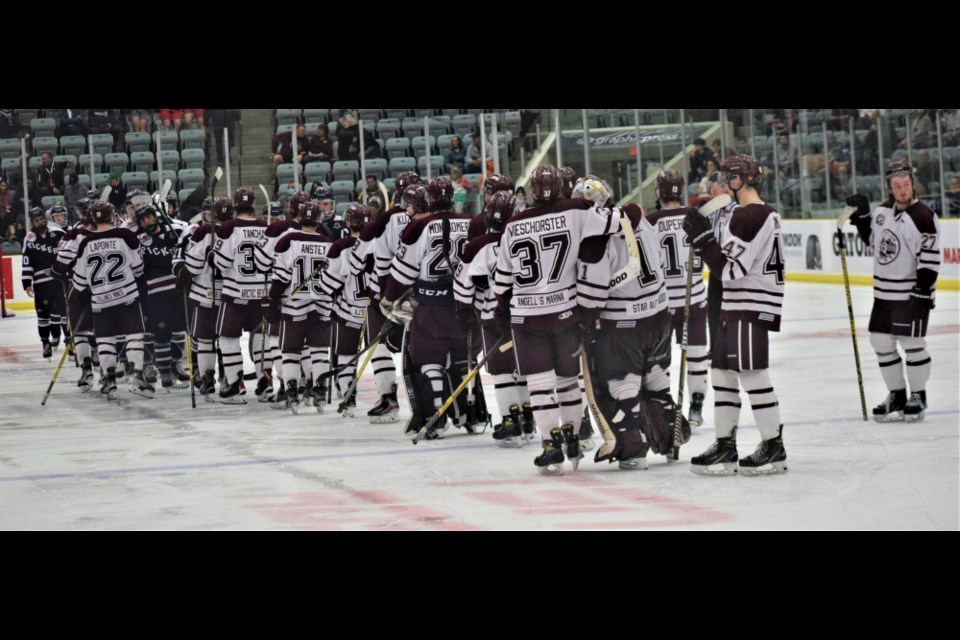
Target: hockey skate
<point x="180" y="371"/>
<point x="586" y="432"/>
<point x="348" y="407"/>
<point x="108" y="384"/>
<point x="150" y="373"/>
<point x="55" y="342"/>
<point x="47" y="350"/>
<point x="527" y="423"/>
<point x="769" y="458"/>
<point x="696" y="411"/>
<point x="915" y="407"/>
<point x="264" y="385"/>
<point x="305" y="389"/>
<point x="293" y="400"/>
<point x="139" y="385"/>
<point x="637" y="462"/>
<point x="892" y="408"/>
<point x="573" y="445"/>
<point x="508" y="433"/>
<point x="85" y="383"/>
<point x="234" y="393"/>
<point x="166" y="380"/>
<point x="320" y="395"/>
<point x="387" y="410"/>
<point x="208" y="386"/>
<point x="722" y="452"/>
<point x="550" y="462"/>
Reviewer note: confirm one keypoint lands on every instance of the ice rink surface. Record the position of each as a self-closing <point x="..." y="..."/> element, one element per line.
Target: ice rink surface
<point x="82" y="463"/>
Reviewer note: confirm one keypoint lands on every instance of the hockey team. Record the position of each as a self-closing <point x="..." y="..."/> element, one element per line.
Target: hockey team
<point x="567" y="302"/>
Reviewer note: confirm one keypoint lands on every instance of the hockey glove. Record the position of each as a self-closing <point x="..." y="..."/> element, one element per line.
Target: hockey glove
<point x="466" y="317"/>
<point x="921" y="301"/>
<point x="862" y="205"/>
<point x="588" y="324"/>
<point x="386" y="307"/>
<point x="698" y="229"/>
<point x="271" y="310"/>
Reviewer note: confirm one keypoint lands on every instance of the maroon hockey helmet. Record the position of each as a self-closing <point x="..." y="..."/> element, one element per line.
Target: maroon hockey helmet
<point x="223" y="209"/>
<point x="897" y="168"/>
<point x="499" y="209"/>
<point x="569" y="178"/>
<point x="545" y="184"/>
<point x="744" y="166"/>
<point x="310" y="213"/>
<point x="101" y="212"/>
<point x="296" y="201"/>
<point x="244" y="200"/>
<point x="496" y="182"/>
<point x="355" y="216"/>
<point x="415" y="195"/>
<point x="407" y="178"/>
<point x="669" y="186"/>
<point x="440" y="193"/>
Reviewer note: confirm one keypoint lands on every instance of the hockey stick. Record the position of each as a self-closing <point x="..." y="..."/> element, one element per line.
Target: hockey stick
<point x="501" y="345"/>
<point x="609" y="438"/>
<point x="714" y="204"/>
<point x="67" y="350"/>
<point x="633" y="269"/>
<point x="340" y="367"/>
<point x="352" y="387"/>
<point x="844" y="216"/>
<point x="263" y="189"/>
<point x="186" y="335"/>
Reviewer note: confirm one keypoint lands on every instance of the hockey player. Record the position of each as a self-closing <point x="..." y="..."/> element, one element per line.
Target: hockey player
<point x="39" y="256"/>
<point x="568" y="179"/>
<point x="627" y="338"/>
<point x="372" y="255"/>
<point x="474" y="294"/>
<point x="238" y="255"/>
<point x="905" y="236"/>
<point x="163" y="305"/>
<point x="300" y="305"/>
<point x="351" y="304"/>
<point x="535" y="284"/>
<point x="109" y="266"/>
<point x="331" y="225"/>
<point x="718" y="186"/>
<point x="491" y="184"/>
<point x="206" y="285"/>
<point x="426" y="261"/>
<point x="751" y="264"/>
<point x="674" y="247"/>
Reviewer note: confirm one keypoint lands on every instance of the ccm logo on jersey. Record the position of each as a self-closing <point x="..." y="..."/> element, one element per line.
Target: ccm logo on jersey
<point x="438" y="293"/>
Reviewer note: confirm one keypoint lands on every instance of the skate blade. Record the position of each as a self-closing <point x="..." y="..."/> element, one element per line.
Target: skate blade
<point x="295" y="409"/>
<point x="726" y="469"/>
<point x="695" y="423"/>
<point x="530" y="437"/>
<point x="143" y="394"/>
<point x="634" y="464"/>
<point x="209" y="398"/>
<point x="320" y="406"/>
<point x="348" y="412"/>
<point x="770" y="469"/>
<point x="233" y="400"/>
<point x="85" y="388"/>
<point x="278" y="406"/>
<point x="388" y="418"/>
<point x="552" y="470"/>
<point x="575" y="462"/>
<point x="587" y="444"/>
<point x="510" y="443"/>
<point x="913" y="418"/>
<point x="893" y="417"/>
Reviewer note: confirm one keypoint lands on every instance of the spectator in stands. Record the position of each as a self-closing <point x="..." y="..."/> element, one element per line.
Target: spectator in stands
<point x="925" y="172"/>
<point x="73" y="122"/>
<point x="742" y="146"/>
<point x="372" y="148"/>
<point x="873" y="120"/>
<point x="718" y="154"/>
<point x="320" y="147"/>
<point x="139" y="120"/>
<point x="7" y="219"/>
<point x="348" y="135"/>
<point x="171" y="119"/>
<point x="461" y="189"/>
<point x="456" y="155"/>
<point x="839" y="119"/>
<point x="472" y="160"/>
<point x="922" y="133"/>
<point x="219" y="120"/>
<point x="103" y="121"/>
<point x="49" y="176"/>
<point x="283" y="146"/>
<point x="376" y="206"/>
<point x="118" y="193"/>
<point x="193" y="118"/>
<point x="840" y="165"/>
<point x="783" y="163"/>
<point x="704" y="187"/>
<point x="698" y="161"/>
<point x="520" y="196"/>
<point x="72" y="194"/>
<point x="953" y="197"/>
<point x="950" y="127"/>
<point x="9" y="126"/>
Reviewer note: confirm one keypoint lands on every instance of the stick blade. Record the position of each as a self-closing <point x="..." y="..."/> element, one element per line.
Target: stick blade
<point x="715" y="204"/>
<point x="844" y="216"/>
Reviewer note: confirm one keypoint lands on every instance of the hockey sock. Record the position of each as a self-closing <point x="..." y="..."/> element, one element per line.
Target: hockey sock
<point x="384" y="369"/>
<point x="232" y="358"/>
<point x="763" y="401"/>
<point x="891" y="369"/>
<point x="107" y="349"/>
<point x="726" y="405"/>
<point x="698" y="360"/>
<point x="135" y="350"/>
<point x="206" y="356"/>
<point x="506" y="392"/>
<point x="570" y="397"/>
<point x="918" y="363"/>
<point x="319" y="362"/>
<point x="543" y="398"/>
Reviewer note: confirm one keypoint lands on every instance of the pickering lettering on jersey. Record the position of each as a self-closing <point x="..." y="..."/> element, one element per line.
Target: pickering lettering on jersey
<point x="455" y="226"/>
<point x="99" y="245"/>
<point x="537" y="225"/>
<point x="532" y="302"/>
